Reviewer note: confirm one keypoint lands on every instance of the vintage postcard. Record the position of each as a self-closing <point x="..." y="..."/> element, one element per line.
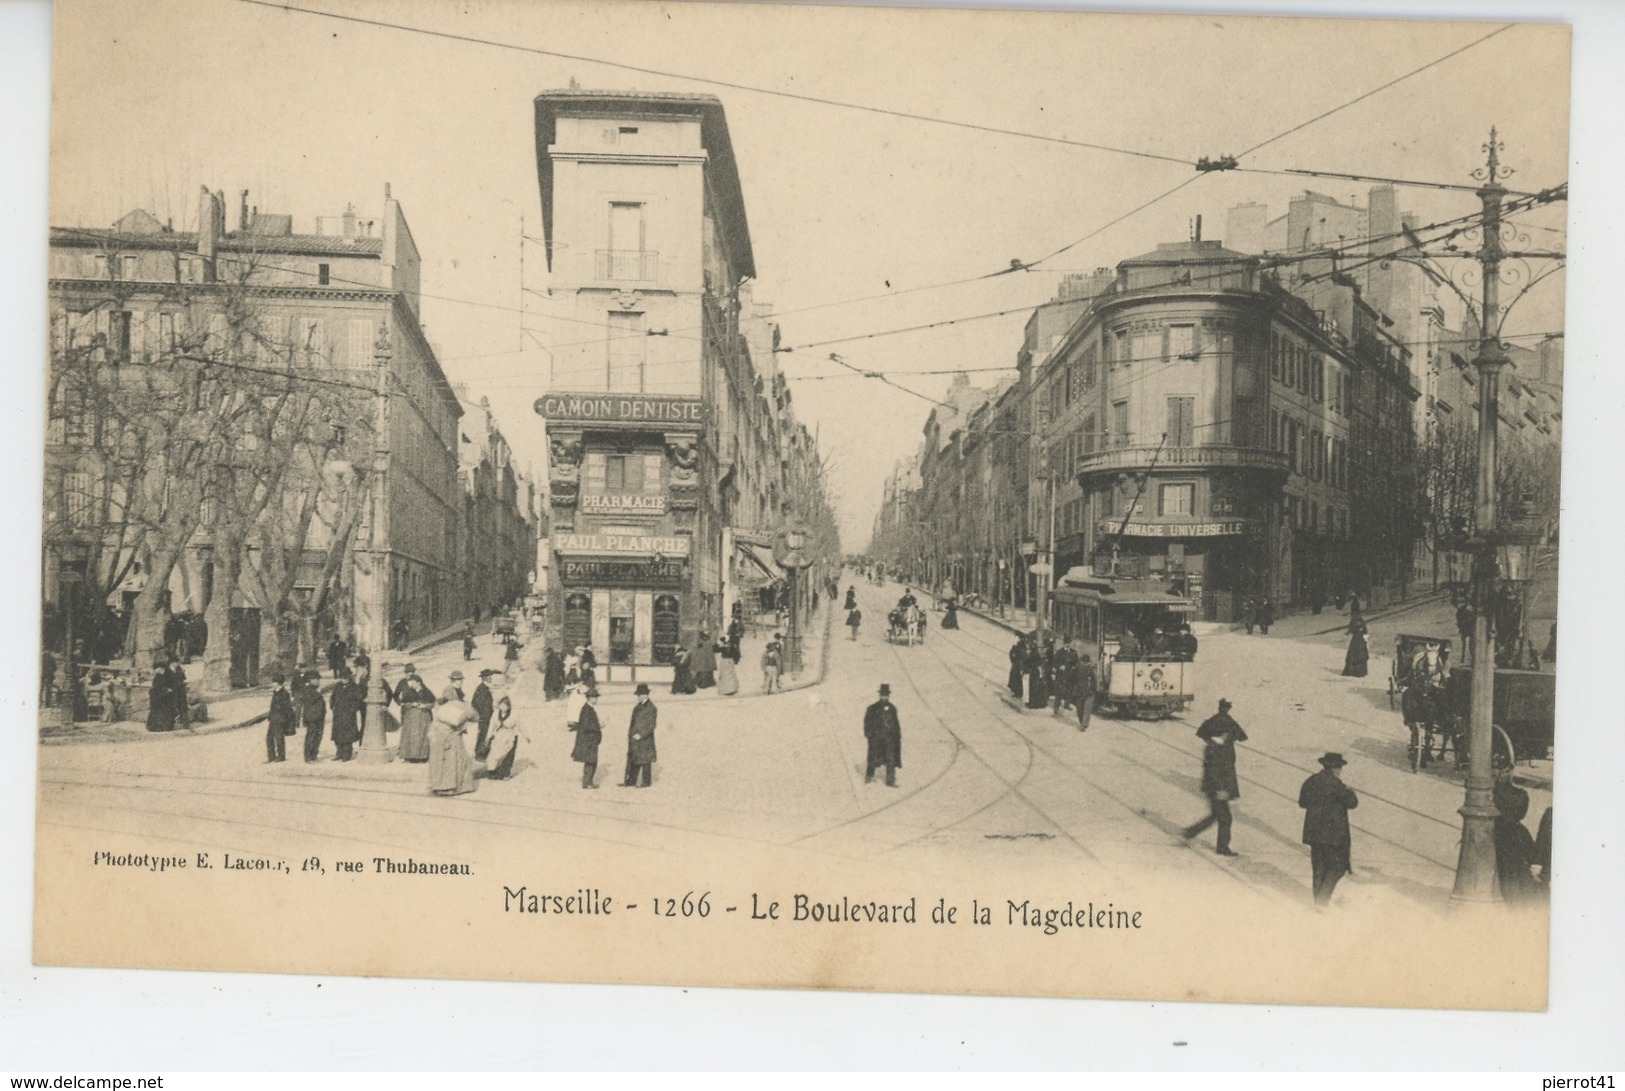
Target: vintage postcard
<point x="1023" y="503"/>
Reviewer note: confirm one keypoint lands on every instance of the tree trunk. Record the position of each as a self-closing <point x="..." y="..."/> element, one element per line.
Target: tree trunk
<point x="217" y="655"/>
<point x="147" y="620"/>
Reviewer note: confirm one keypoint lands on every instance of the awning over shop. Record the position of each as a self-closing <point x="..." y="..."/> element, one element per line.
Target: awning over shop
<point x="761" y="558"/>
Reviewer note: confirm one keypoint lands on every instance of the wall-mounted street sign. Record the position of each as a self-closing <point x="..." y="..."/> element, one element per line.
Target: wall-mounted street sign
<point x="663" y="410"/>
<point x="792" y="546"/>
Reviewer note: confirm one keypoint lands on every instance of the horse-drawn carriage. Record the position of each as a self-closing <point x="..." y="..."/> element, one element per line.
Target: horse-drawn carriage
<point x="1436" y="700"/>
<point x="906" y="624"/>
<point x="1418" y="678"/>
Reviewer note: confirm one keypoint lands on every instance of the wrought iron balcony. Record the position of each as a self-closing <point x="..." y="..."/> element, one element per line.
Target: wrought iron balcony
<point x="1113" y="459"/>
<point x="632" y="266"/>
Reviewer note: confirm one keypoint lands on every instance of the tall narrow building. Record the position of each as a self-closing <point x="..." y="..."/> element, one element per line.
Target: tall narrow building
<point x="647" y="246"/>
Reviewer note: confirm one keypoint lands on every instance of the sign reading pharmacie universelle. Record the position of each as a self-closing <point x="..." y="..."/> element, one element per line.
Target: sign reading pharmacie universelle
<point x="643" y="545"/>
<point x="665" y="410"/>
<point x="1219" y="529"/>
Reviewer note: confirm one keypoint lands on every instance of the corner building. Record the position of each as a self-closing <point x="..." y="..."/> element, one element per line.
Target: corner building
<point x="647" y="247"/>
<point x="1229" y="435"/>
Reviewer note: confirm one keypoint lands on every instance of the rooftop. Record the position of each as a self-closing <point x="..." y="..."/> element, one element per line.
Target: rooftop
<point x="722" y="170"/>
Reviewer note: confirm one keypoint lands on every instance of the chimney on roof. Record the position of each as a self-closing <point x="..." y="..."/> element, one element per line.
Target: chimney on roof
<point x="386" y="191"/>
<point x="1198" y="227"/>
<point x="242" y="212"/>
<point x="349" y="221"/>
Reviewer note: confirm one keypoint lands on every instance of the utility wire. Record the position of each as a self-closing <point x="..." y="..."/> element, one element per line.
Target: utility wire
<point x="729" y="84"/>
<point x="1376" y="90"/>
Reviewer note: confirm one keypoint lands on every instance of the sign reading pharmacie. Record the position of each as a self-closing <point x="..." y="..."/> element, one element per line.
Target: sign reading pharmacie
<point x="664" y="410"/>
<point x="654" y="574"/>
<point x="642" y="545"/>
<point x="623" y="503"/>
<point x="1219" y="529"/>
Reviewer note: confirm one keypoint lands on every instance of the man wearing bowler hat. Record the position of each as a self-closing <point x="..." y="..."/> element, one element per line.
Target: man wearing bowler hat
<point x="1326" y="801"/>
<point x="885" y="737"/>
<point x="484" y="707"/>
<point x="1221" y="733"/>
<point x="640" y="743"/>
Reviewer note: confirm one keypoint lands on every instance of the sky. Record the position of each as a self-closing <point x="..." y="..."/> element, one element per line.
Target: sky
<point x="862" y="221"/>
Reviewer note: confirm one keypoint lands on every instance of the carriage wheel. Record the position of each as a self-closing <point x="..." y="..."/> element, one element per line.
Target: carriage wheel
<point x="1499" y="739"/>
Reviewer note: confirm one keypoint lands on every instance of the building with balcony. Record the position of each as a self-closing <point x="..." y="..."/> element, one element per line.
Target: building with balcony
<point x="673" y="451"/>
<point x="1203" y="424"/>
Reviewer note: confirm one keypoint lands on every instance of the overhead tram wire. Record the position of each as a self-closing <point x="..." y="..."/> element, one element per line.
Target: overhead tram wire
<point x="729" y="84"/>
<point x="1267" y="261"/>
<point x="1283" y="135"/>
<point x="1015" y="265"/>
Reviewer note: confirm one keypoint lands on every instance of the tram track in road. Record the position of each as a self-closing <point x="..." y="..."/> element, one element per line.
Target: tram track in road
<point x="979" y="668"/>
<point x="1000" y="714"/>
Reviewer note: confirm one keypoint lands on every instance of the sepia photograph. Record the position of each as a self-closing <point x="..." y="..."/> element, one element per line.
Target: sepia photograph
<point x="519" y="479"/>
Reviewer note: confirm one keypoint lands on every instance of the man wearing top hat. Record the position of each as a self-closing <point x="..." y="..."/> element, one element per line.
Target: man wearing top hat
<point x="1221" y="733"/>
<point x="885" y="737"/>
<point x="1326" y="801"/>
<point x="484" y="707"/>
<point x="640" y="742"/>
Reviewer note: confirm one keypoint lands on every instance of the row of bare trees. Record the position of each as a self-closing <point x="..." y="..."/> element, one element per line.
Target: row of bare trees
<point x="203" y="415"/>
<point x="1527" y="477"/>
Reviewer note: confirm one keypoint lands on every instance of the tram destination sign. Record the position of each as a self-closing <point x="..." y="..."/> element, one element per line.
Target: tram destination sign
<point x="665" y="410"/>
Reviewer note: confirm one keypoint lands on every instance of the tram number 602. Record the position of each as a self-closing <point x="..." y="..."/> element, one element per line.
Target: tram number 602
<point x="686" y="906"/>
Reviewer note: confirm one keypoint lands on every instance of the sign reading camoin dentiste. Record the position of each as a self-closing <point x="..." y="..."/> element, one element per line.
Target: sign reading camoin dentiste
<point x="662" y="409"/>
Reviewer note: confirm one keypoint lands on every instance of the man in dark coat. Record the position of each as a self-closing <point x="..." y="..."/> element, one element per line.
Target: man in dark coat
<point x="335" y="656"/>
<point x="1326" y="801"/>
<point x="589" y="733"/>
<point x="484" y="706"/>
<point x="1184" y="644"/>
<point x="885" y="737"/>
<point x="1266" y="616"/>
<point x="1066" y="677"/>
<point x="1514" y="848"/>
<point x="1032" y="662"/>
<point x="1221" y="733"/>
<point x="315" y="716"/>
<point x="282" y="722"/>
<point x="640" y="742"/>
<point x="347" y="701"/>
<point x="1086" y="683"/>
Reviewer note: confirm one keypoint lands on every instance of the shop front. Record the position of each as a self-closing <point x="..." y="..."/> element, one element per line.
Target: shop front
<point x="1207" y="562"/>
<point x="623" y="597"/>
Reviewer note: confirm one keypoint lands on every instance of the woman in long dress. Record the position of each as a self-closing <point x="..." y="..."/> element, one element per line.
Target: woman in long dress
<point x="682" y="680"/>
<point x="704" y="663"/>
<point x="727" y="676"/>
<point x="417" y="708"/>
<point x="1354" y="660"/>
<point x="504" y="742"/>
<point x="451" y="769"/>
<point x="160" y="710"/>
